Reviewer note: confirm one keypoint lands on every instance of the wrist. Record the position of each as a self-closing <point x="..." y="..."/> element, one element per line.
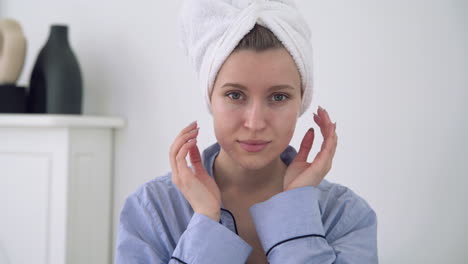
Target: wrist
<point x="292" y="186"/>
<point x="215" y="216"/>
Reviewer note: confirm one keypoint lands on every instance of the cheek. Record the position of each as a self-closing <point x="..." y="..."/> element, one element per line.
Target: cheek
<point x="226" y="113"/>
<point x="285" y="121"/>
<point x="225" y="119"/>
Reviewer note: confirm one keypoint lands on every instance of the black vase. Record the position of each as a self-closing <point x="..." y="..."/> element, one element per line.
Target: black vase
<point x="56" y="83"/>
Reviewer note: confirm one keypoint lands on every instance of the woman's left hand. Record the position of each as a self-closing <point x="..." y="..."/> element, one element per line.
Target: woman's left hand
<point x="301" y="173"/>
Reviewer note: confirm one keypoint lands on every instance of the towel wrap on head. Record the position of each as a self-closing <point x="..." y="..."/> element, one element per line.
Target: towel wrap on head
<point x="211" y="29"/>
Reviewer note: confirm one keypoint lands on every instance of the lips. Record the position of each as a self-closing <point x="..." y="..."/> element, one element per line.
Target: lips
<point x="254" y="145"/>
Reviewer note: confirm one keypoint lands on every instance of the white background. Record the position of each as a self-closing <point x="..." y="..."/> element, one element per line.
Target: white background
<point x="393" y="74"/>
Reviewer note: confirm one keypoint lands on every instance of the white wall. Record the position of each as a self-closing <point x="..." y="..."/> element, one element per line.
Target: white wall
<point x="393" y="74"/>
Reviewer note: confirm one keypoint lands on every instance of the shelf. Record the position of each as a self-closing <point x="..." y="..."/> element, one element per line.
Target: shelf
<point x="55" y="120"/>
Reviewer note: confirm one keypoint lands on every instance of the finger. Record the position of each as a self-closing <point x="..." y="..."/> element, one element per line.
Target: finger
<point x="182" y="139"/>
<point x="323" y="121"/>
<point x="306" y="145"/>
<point x="177" y="145"/>
<point x="181" y="162"/>
<point x="325" y="117"/>
<point x="324" y="158"/>
<point x="184" y="131"/>
<point x="329" y="138"/>
<point x="179" y="142"/>
<point x="188" y="128"/>
<point x="319" y="122"/>
<point x="195" y="159"/>
<point x="200" y="171"/>
<point x="331" y="143"/>
<point x="332" y="148"/>
<point x="326" y="125"/>
<point x="335" y="139"/>
<point x="323" y="114"/>
<point x="174" y="149"/>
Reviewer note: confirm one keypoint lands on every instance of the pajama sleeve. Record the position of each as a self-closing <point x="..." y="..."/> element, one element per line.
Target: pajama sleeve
<point x="291" y="229"/>
<point x="142" y="239"/>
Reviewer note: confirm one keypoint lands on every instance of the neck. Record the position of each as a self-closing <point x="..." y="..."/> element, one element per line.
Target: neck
<point x="232" y="178"/>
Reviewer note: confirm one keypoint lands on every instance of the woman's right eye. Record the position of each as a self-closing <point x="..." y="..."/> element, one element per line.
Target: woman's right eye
<point x="234" y="95"/>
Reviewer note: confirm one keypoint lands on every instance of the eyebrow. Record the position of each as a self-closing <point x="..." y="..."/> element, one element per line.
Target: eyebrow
<point x="272" y="88"/>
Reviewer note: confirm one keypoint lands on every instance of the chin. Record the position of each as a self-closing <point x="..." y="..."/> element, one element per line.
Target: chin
<point x="251" y="163"/>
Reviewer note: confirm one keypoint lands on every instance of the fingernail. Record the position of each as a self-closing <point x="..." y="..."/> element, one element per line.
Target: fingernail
<point x="191" y="124"/>
<point x="311" y="129"/>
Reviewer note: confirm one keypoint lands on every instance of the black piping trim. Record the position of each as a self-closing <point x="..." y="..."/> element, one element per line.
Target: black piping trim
<point x="183" y="262"/>
<point x="234" y="219"/>
<point x="298" y="237"/>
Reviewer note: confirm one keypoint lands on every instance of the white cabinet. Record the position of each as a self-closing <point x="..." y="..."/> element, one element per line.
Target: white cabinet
<point x="56" y="188"/>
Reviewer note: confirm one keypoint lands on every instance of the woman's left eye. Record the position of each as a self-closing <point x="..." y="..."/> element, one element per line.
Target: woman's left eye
<point x="279" y="97"/>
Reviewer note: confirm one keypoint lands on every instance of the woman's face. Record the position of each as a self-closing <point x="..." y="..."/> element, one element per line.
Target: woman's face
<point x="256" y="101"/>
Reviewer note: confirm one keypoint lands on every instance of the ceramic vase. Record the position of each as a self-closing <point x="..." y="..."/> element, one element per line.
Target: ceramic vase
<point x="12" y="56"/>
<point x="56" y="83"/>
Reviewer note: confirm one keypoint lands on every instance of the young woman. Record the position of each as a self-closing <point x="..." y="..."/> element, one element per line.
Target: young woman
<point x="250" y="197"/>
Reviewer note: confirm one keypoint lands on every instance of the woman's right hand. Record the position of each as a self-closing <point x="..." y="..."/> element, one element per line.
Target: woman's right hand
<point x="197" y="186"/>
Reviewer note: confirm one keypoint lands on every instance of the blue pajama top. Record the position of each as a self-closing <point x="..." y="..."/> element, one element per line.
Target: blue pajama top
<point x="324" y="224"/>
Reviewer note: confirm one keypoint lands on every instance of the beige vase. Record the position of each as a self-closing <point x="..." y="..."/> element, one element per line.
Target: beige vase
<point x="12" y="51"/>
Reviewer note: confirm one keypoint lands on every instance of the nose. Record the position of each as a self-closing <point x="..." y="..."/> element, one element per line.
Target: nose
<point x="255" y="117"/>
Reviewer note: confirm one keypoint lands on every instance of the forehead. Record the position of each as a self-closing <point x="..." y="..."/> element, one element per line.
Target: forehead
<point x="259" y="69"/>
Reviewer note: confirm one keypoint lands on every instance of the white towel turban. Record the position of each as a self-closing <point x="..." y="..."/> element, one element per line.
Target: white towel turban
<point x="211" y="29"/>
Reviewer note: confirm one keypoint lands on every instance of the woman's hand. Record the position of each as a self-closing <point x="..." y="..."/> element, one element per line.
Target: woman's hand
<point x="300" y="173"/>
<point x="197" y="186"/>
